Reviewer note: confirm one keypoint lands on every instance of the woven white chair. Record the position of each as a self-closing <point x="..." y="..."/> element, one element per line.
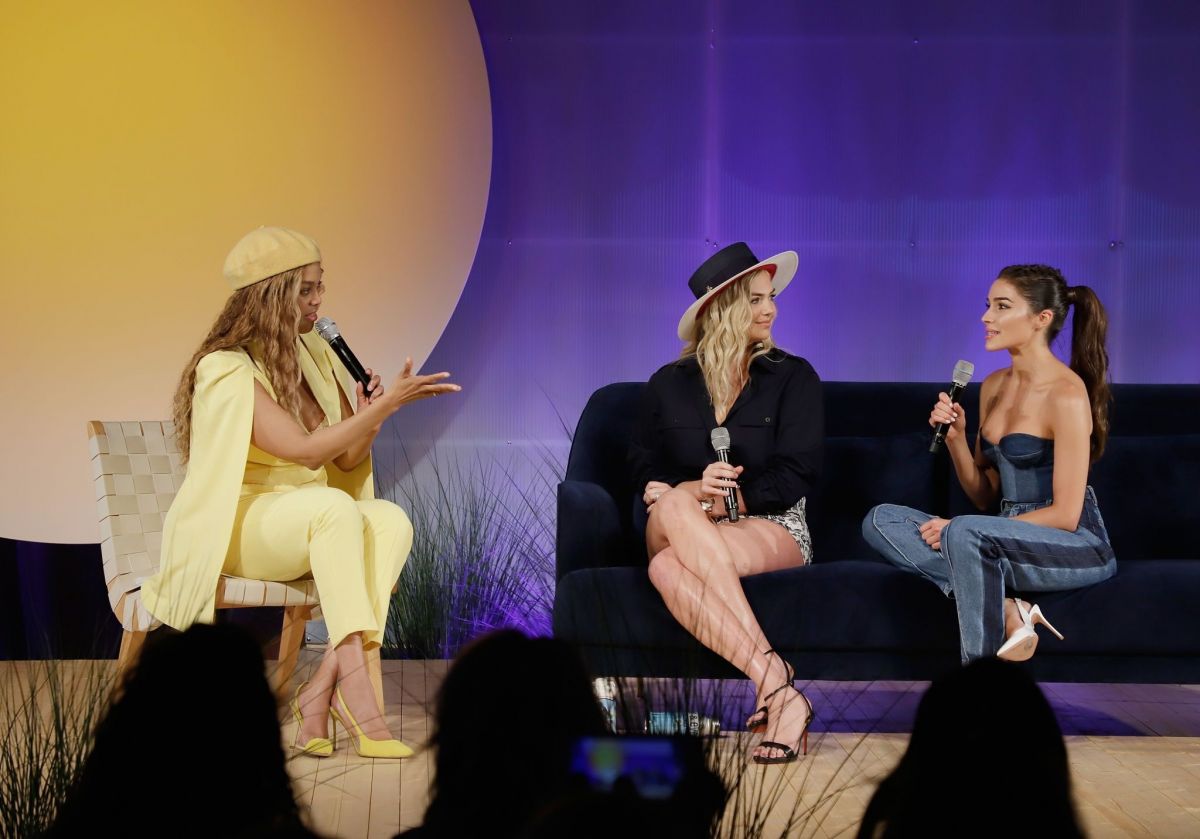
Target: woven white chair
<point x="137" y="470"/>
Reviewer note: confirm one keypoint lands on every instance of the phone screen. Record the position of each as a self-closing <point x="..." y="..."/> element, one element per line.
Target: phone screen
<point x="654" y="765"/>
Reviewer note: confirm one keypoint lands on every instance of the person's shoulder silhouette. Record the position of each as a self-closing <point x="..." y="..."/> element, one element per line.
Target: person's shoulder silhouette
<point x="985" y="749"/>
<point x="507" y="717"/>
<point x="190" y="746"/>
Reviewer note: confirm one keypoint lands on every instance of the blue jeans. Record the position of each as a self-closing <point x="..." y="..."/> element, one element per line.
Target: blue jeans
<point x="981" y="557"/>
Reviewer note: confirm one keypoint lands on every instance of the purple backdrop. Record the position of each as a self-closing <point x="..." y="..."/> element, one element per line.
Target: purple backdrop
<point x="907" y="151"/>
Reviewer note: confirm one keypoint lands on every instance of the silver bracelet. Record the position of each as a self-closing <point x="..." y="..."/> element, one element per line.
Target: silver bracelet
<point x="706" y="505"/>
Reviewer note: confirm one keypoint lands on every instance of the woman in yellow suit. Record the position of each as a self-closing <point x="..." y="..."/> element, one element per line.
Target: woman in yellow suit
<point x="279" y="480"/>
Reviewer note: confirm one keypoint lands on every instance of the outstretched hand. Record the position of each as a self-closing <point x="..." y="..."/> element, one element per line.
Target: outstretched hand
<point x="409" y="388"/>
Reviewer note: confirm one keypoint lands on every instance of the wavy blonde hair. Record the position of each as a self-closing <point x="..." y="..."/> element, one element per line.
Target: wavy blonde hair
<point x="265" y="314"/>
<point x="720" y="346"/>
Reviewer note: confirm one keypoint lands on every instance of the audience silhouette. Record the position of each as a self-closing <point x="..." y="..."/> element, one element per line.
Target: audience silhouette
<point x="507" y="717"/>
<point x="986" y="758"/>
<point x="190" y="747"/>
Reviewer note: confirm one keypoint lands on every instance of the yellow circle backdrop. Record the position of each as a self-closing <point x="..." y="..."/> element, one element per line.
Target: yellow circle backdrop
<point x="142" y="139"/>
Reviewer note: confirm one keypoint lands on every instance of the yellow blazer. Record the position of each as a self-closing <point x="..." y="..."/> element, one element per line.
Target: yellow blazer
<point x="199" y="525"/>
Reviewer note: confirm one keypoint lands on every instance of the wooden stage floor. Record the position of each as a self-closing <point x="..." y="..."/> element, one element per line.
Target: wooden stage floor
<point x="1134" y="752"/>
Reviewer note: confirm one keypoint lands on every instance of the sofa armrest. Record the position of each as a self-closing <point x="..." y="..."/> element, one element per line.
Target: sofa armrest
<point x="589" y="528"/>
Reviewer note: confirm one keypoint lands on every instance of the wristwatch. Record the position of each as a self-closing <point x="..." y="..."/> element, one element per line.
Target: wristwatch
<point x="706" y="505"/>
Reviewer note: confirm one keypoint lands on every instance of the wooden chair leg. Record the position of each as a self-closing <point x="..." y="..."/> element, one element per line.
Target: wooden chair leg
<point x="375" y="674"/>
<point x="131" y="645"/>
<point x="291" y="639"/>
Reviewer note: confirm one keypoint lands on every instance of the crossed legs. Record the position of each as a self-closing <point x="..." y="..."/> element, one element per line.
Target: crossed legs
<point x="354" y="550"/>
<point x="697" y="567"/>
<point x="984" y="557"/>
<point x="344" y="667"/>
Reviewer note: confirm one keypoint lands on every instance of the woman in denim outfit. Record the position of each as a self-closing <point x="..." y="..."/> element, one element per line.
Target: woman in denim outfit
<point x="1042" y="425"/>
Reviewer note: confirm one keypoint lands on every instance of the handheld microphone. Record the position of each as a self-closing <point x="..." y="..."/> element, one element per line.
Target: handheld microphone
<point x="720" y="442"/>
<point x="328" y="330"/>
<point x="962" y="376"/>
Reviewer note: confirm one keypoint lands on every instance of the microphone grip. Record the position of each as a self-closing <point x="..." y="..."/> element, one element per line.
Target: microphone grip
<point x="939" y="435"/>
<point x="352" y="363"/>
<point x="731" y="505"/>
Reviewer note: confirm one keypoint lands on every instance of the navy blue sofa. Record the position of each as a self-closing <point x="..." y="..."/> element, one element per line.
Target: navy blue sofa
<point x="852" y="616"/>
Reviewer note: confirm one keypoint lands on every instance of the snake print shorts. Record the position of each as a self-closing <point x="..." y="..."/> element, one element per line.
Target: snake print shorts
<point x="794" y="523"/>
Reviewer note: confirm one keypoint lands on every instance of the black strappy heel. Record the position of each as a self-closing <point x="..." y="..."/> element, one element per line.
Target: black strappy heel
<point x="755" y="721"/>
<point x="789" y="752"/>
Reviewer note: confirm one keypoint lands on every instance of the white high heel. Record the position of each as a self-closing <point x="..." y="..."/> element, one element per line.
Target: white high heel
<point x="1022" y="643"/>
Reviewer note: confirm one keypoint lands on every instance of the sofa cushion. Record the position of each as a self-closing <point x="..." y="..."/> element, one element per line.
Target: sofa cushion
<point x="600" y="445"/>
<point x="859" y="473"/>
<point x="1148" y="608"/>
<point x="814" y="607"/>
<point x="852" y="607"/>
<point x="877" y="409"/>
<point x="1148" y="495"/>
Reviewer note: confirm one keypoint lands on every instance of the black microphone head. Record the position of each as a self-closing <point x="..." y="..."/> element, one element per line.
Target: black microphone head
<point x="963" y="371"/>
<point x="720" y="438"/>
<point x="328" y="330"/>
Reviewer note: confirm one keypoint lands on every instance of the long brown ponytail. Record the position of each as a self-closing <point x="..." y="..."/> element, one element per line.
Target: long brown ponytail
<point x="1044" y="288"/>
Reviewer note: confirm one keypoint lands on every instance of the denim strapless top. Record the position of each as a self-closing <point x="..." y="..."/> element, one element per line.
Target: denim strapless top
<point x="1026" y="467"/>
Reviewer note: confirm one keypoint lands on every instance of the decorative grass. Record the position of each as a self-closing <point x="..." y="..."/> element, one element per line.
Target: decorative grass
<point x="48" y="712"/>
<point x="482" y="555"/>
<point x="761" y="801"/>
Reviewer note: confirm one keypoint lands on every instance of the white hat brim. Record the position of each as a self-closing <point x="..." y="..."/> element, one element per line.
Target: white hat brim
<point x="785" y="265"/>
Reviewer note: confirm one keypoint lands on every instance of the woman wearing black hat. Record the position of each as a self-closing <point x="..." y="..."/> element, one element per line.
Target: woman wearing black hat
<point x="731" y="375"/>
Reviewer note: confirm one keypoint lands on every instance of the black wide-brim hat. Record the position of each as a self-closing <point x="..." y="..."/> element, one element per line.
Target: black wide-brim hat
<point x="724" y="267"/>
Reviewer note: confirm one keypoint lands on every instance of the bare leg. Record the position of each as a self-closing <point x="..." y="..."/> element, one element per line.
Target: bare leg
<point x="697" y="567"/>
<point x="706" y="616"/>
<point x="314" y="699"/>
<point x="1012" y="617"/>
<point x="343" y="667"/>
<point x="787" y="715"/>
<point x="355" y="685"/>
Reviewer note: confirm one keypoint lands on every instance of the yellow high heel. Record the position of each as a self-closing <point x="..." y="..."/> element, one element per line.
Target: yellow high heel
<point x="317" y="746"/>
<point x="364" y="745"/>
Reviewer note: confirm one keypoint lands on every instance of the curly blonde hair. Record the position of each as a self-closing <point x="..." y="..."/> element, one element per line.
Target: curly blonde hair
<point x="720" y="346"/>
<point x="265" y="315"/>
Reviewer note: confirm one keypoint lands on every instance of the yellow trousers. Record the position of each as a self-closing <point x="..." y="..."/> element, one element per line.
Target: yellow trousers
<point x="354" y="551"/>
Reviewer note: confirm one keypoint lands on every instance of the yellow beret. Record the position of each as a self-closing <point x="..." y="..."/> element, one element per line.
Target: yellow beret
<point x="266" y="252"/>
